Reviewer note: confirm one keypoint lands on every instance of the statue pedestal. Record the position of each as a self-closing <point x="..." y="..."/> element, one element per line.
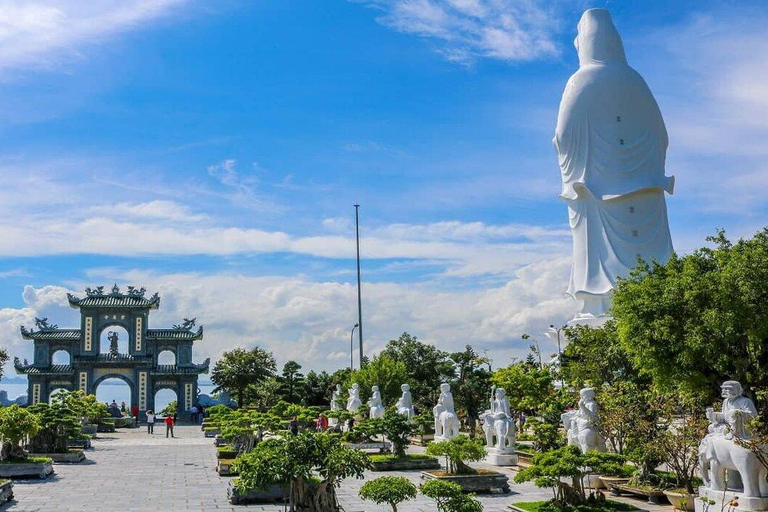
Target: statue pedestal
<point x="500" y="457"/>
<point x="723" y="498"/>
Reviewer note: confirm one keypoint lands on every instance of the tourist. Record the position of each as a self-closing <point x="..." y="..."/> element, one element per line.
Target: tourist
<point x="169" y="422"/>
<point x="294" y="425"/>
<point x="322" y="423"/>
<point x="123" y="408"/>
<point x="201" y="409"/>
<point x="135" y="413"/>
<point x="194" y="412"/>
<point x="150" y="422"/>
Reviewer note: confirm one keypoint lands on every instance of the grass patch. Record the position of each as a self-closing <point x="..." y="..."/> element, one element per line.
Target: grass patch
<point x="394" y="458"/>
<point x="28" y="460"/>
<point x="547" y="506"/>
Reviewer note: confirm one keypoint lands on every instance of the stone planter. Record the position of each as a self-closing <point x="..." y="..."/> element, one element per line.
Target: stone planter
<point x="226" y="454"/>
<point x="654" y="496"/>
<point x="125" y="422"/>
<point x="211" y="432"/>
<point x="483" y="482"/>
<point x="723" y="499"/>
<point x="219" y="441"/>
<point x="72" y="457"/>
<point x="370" y="447"/>
<point x="89" y="429"/>
<point x="224" y="467"/>
<point x="422" y="440"/>
<point x="611" y="481"/>
<point x="593" y="481"/>
<point x="500" y="457"/>
<point x="275" y="492"/>
<point x="406" y="464"/>
<point x="681" y="500"/>
<point x="83" y="444"/>
<point x="28" y="469"/>
<point x="106" y="427"/>
<point x="6" y="491"/>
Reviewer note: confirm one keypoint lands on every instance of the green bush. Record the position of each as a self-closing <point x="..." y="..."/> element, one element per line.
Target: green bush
<point x="16" y="423"/>
<point x="449" y="497"/>
<point x="457" y="451"/>
<point x="397" y="429"/>
<point x="392" y="490"/>
<point x="58" y="424"/>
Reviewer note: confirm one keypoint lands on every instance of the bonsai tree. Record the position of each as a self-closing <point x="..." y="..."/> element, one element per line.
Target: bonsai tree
<point x="679" y="442"/>
<point x="170" y="409"/>
<point x="391" y="490"/>
<point x="243" y="429"/>
<point x="16" y="423"/>
<point x="85" y="407"/>
<point x="423" y="423"/>
<point x="396" y="428"/>
<point x="449" y="497"/>
<point x="294" y="460"/>
<point x="554" y="468"/>
<point x="58" y="424"/>
<point x="456" y="451"/>
<point x="546" y="436"/>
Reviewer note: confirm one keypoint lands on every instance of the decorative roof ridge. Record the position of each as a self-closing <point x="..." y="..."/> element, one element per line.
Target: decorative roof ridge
<point x="31" y="335"/>
<point x="137" y="294"/>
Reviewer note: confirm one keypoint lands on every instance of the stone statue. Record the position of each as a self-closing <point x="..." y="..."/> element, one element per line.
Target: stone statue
<point x="353" y="402"/>
<point x="376" y="407"/>
<point x="405" y="402"/>
<point x="446" y="421"/>
<point x="335" y="404"/>
<point x="611" y="143"/>
<point x="498" y="423"/>
<point x="581" y="424"/>
<point x="723" y="462"/>
<point x="113" y="348"/>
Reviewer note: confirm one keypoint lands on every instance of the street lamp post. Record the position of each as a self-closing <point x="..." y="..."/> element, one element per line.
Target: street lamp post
<point x="351" y="341"/>
<point x="359" y="291"/>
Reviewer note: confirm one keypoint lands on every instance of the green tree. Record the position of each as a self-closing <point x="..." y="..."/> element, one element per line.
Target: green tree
<point x="16" y="423"/>
<point x="449" y="497"/>
<point x="291" y="382"/>
<point x="527" y="386"/>
<point x="58" y="424"/>
<point x="240" y="368"/>
<point x="428" y="367"/>
<point x="457" y="451"/>
<point x="396" y="427"/>
<point x="264" y="395"/>
<point x="700" y="319"/>
<point x="381" y="371"/>
<point x="317" y="389"/>
<point x="472" y="386"/>
<point x="3" y="359"/>
<point x="391" y="490"/>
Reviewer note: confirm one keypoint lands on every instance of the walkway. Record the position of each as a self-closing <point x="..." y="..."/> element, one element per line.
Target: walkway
<point x="130" y="470"/>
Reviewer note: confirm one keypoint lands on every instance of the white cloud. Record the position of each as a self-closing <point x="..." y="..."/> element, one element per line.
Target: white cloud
<point x="463" y="30"/>
<point x="310" y="321"/>
<point x="157" y="210"/>
<point x="43" y="34"/>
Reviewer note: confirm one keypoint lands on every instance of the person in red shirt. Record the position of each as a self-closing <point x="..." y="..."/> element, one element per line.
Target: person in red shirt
<point x="135" y="413"/>
<point x="169" y="426"/>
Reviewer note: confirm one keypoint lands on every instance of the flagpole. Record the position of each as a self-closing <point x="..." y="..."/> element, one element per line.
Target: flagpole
<point x="359" y="296"/>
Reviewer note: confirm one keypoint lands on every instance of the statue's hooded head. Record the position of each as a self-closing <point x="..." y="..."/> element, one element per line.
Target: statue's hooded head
<point x="587" y="394"/>
<point x="374" y="388"/>
<point x="598" y="41"/>
<point x="445" y="387"/>
<point x="500" y="393"/>
<point x="731" y="389"/>
<point x="405" y="387"/>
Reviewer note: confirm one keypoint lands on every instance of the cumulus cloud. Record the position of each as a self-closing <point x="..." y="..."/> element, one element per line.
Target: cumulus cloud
<point x="463" y="30"/>
<point x="44" y="34"/>
<point x="309" y="321"/>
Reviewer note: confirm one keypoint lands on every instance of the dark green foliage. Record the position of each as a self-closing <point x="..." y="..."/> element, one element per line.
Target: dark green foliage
<point x="391" y="490"/>
<point x="291" y="383"/>
<point x="472" y="386"/>
<point x="16" y="423"/>
<point x="58" y="424"/>
<point x="546" y="436"/>
<point x="427" y="366"/>
<point x="239" y="368"/>
<point x="381" y="371"/>
<point x="457" y="452"/>
<point x="449" y="497"/>
<point x="700" y="319"/>
<point x="317" y="389"/>
<point x="594" y="503"/>
<point x="396" y="428"/>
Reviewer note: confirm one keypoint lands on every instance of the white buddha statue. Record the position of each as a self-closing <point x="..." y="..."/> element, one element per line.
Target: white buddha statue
<point x="612" y="144"/>
<point x="581" y="424"/>
<point x="353" y="402"/>
<point x="376" y="408"/>
<point x="405" y="402"/>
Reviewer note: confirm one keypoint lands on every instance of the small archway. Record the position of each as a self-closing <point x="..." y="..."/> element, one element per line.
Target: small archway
<point x="61" y="357"/>
<point x="163" y="398"/>
<point x="114" y="389"/>
<point x="54" y="392"/>
<point x="114" y="339"/>
<point x="166" y="357"/>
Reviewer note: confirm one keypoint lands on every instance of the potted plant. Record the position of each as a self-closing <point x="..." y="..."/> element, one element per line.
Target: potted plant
<point x="449" y="497"/>
<point x="457" y="451"/>
<point x="58" y="424"/>
<point x="17" y="423"/>
<point x="391" y="490"/>
<point x="397" y="429"/>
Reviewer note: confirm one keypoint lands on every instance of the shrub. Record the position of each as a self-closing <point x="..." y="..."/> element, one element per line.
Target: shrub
<point x="449" y="497"/>
<point x="396" y="428"/>
<point x="16" y="423"/>
<point x="392" y="490"/>
<point x="58" y="424"/>
<point x="457" y="451"/>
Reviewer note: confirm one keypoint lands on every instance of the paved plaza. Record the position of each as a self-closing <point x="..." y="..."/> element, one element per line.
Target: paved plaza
<point x="132" y="471"/>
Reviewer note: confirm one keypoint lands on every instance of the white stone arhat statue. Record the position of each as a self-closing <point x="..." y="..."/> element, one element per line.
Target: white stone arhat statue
<point x="611" y="144"/>
<point x="376" y="408"/>
<point x="581" y="424"/>
<point x="405" y="402"/>
<point x="446" y="421"/>
<point x="335" y="404"/>
<point x="499" y="428"/>
<point x="353" y="402"/>
<point x="728" y="469"/>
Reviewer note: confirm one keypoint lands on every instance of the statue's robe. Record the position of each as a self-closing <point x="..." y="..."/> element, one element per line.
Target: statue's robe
<point x="611" y="142"/>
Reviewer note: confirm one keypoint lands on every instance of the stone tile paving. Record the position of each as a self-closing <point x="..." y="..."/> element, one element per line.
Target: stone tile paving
<point x="130" y="470"/>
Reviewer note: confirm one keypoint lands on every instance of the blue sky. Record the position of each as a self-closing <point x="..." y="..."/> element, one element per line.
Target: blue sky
<point x="213" y="151"/>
